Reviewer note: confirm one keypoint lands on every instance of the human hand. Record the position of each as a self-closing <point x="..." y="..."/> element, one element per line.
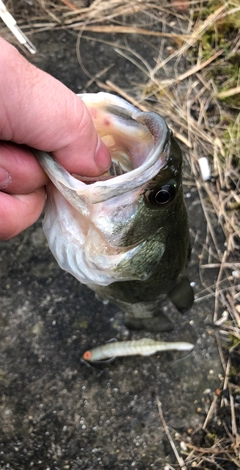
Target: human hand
<point x="38" y="111"/>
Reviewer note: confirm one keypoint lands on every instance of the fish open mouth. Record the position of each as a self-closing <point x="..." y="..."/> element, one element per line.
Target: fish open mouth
<point x="136" y="141"/>
<point x="139" y="144"/>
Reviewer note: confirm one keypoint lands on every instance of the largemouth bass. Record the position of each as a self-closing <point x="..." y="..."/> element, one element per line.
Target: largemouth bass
<point x="125" y="234"/>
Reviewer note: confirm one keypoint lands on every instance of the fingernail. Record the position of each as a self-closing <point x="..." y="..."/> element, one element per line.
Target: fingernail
<point x="102" y="156"/>
<point x="5" y="178"/>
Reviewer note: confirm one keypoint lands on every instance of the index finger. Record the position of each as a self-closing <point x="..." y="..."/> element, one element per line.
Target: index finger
<point x="39" y="111"/>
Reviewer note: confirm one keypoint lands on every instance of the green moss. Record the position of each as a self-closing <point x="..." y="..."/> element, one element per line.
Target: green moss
<point x="233" y="372"/>
<point x="231" y="138"/>
<point x="80" y="323"/>
<point x="210" y="439"/>
<point x="234" y="341"/>
<point x="226" y="23"/>
<point x="226" y="76"/>
<point x="221" y="36"/>
<point x="2" y="375"/>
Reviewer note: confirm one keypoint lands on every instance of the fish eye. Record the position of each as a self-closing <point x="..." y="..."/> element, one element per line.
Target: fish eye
<point x="161" y="196"/>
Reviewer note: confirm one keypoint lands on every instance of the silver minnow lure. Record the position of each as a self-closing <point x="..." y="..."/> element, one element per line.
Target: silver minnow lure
<point x="142" y="347"/>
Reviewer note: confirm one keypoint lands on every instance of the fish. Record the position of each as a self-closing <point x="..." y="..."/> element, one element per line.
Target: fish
<point x="142" y="347"/>
<point x="124" y="234"/>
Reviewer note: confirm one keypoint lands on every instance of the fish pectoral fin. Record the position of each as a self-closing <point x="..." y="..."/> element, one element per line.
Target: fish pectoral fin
<point x="138" y="267"/>
<point x="182" y="295"/>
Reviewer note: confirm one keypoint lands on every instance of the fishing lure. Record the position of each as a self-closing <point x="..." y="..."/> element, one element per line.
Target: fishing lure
<point x="142" y="347"/>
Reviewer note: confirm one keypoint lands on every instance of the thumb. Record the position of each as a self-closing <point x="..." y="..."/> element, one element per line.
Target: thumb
<point x="39" y="111"/>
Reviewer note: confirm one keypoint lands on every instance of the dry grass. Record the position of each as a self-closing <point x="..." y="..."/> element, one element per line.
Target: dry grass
<point x="201" y="102"/>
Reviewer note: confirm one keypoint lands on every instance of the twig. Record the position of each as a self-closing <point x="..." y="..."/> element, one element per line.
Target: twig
<point x="217" y="265"/>
<point x="193" y="70"/>
<point x="233" y="416"/>
<point x="126" y="96"/>
<point x="227" y="93"/>
<point x="97" y="75"/>
<point x="223" y="260"/>
<point x="210" y="412"/>
<point x="226" y="378"/>
<point x="234" y="310"/>
<point x="69" y="4"/>
<point x="205" y="450"/>
<point x="195" y="36"/>
<point x="112" y="29"/>
<point x="165" y="427"/>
